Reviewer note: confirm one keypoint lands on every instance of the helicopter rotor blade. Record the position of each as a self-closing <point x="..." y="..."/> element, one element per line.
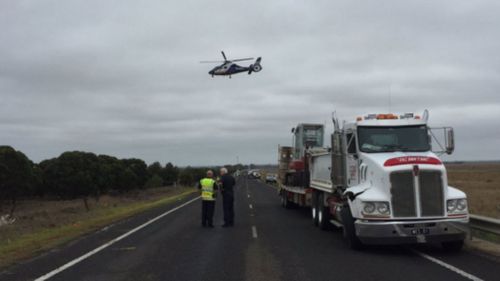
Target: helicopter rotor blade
<point x="224" y="55"/>
<point x="242" y="59"/>
<point x="212" y="61"/>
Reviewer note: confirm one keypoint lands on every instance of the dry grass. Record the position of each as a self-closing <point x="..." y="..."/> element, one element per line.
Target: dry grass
<point x="43" y="224"/>
<point x="481" y="182"/>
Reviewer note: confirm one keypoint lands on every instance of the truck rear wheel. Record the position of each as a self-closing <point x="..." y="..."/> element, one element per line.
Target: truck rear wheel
<point x="349" y="230"/>
<point x="323" y="213"/>
<point x="453" y="246"/>
<point x="284" y="200"/>
<point x="314" y="208"/>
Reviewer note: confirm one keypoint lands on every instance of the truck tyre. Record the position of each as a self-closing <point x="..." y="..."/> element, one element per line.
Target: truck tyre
<point x="314" y="208"/>
<point x="349" y="230"/>
<point x="323" y="213"/>
<point x="284" y="200"/>
<point x="453" y="246"/>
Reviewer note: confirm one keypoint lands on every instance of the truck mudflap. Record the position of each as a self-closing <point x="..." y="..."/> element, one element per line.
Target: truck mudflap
<point x="411" y="232"/>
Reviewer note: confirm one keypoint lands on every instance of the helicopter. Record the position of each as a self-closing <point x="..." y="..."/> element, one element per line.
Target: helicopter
<point x="228" y="67"/>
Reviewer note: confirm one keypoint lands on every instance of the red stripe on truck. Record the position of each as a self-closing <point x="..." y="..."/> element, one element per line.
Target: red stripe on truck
<point x="410" y="160"/>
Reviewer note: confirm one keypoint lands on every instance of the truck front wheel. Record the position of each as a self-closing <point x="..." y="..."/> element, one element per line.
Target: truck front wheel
<point x="453" y="246"/>
<point x="349" y="230"/>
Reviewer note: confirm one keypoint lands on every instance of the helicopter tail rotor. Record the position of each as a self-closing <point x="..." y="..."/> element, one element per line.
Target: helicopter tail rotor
<point x="255" y="67"/>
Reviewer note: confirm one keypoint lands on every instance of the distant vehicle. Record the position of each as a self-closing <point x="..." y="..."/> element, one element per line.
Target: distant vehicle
<point x="228" y="67"/>
<point x="271" y="178"/>
<point x="253" y="175"/>
<point x="379" y="180"/>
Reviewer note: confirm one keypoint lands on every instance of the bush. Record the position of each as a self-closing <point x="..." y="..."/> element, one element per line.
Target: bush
<point x="154" y="181"/>
<point x="190" y="176"/>
<point x="77" y="174"/>
<point x="16" y="175"/>
<point x="169" y="174"/>
<point x="139" y="168"/>
<point x="74" y="175"/>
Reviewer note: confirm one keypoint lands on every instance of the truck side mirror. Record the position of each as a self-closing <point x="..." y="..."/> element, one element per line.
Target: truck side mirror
<point x="446" y="134"/>
<point x="449" y="141"/>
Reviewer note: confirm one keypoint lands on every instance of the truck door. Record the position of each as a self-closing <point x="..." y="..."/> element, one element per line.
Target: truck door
<point x="352" y="163"/>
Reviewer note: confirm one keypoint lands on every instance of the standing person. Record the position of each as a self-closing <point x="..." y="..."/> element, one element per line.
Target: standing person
<point x="227" y="186"/>
<point x="208" y="188"/>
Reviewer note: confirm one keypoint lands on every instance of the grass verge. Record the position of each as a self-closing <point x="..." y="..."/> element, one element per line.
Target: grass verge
<point x="30" y="244"/>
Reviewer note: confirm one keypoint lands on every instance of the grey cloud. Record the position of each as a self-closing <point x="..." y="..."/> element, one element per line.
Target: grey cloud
<point x="123" y="78"/>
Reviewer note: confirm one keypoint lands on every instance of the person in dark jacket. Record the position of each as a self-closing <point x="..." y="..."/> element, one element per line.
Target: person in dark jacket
<point x="227" y="183"/>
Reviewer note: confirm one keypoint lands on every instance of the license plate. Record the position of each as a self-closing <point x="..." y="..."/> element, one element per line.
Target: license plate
<point x="419" y="231"/>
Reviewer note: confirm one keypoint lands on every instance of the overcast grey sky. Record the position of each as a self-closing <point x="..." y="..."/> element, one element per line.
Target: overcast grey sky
<point x="123" y="78"/>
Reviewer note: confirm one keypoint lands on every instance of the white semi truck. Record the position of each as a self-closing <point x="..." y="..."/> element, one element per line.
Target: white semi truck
<point x="379" y="180"/>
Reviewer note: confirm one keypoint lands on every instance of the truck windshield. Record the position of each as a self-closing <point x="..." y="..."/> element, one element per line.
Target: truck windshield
<point x="313" y="136"/>
<point x="390" y="139"/>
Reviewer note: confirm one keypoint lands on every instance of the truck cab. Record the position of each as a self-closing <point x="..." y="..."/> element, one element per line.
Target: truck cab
<point x="396" y="186"/>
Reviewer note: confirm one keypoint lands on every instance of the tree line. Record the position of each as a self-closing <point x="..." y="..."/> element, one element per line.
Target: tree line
<point x="78" y="174"/>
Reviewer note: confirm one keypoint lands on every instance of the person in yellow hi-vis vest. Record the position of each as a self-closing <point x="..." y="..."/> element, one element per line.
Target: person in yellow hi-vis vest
<point x="208" y="187"/>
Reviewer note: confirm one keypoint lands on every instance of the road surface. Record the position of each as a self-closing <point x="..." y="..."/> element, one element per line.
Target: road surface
<point x="267" y="243"/>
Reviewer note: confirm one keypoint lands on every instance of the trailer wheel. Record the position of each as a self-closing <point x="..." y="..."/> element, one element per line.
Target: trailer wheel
<point x="314" y="208"/>
<point x="453" y="246"/>
<point x="349" y="230"/>
<point x="323" y="213"/>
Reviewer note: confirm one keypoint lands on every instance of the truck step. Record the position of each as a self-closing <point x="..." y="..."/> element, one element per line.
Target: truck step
<point x="336" y="223"/>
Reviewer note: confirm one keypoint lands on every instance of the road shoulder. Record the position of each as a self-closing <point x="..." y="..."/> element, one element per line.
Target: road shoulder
<point x="58" y="250"/>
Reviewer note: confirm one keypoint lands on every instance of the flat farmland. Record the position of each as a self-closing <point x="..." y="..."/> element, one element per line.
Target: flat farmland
<point x="481" y="182"/>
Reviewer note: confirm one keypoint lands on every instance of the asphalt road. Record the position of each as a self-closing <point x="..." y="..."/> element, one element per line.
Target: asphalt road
<point x="267" y="243"/>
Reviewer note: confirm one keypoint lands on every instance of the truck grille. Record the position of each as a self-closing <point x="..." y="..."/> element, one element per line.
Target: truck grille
<point x="403" y="194"/>
<point x="431" y="193"/>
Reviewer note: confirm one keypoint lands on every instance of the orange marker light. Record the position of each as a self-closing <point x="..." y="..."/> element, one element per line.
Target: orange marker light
<point x="386" y="116"/>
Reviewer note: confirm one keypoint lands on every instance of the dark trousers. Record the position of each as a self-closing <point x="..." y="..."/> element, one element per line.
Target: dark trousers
<point x="207" y="212"/>
<point x="228" y="205"/>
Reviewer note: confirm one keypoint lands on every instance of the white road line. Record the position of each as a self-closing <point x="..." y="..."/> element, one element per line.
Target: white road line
<point x="254" y="231"/>
<point x="98" y="249"/>
<point x="448" y="266"/>
<point x="250" y="206"/>
<point x="248" y="195"/>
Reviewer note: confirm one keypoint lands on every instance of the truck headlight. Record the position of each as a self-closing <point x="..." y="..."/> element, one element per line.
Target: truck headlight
<point x="454" y="206"/>
<point x="383" y="208"/>
<point x="461" y="204"/>
<point x="376" y="209"/>
<point x="451" y="205"/>
<point x="369" y="207"/>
